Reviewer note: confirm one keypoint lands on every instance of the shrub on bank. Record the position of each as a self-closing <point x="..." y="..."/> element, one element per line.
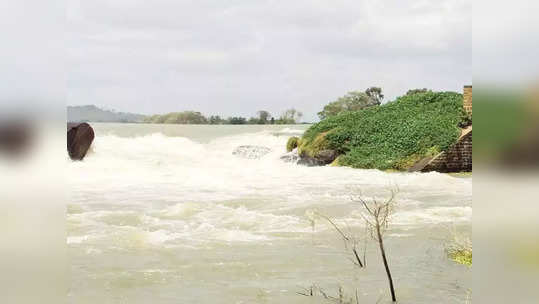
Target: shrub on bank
<point x="292" y="143"/>
<point x="391" y="136"/>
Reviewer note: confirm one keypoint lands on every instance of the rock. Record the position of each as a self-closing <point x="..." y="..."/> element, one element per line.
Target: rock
<point x="290" y="157"/>
<point x="251" y="152"/>
<point x="79" y="139"/>
<point x="322" y="158"/>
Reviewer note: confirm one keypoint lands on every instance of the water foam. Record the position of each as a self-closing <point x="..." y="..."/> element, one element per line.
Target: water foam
<point x="158" y="190"/>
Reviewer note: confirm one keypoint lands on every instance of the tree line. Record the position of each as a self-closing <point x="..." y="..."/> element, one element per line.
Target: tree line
<point x="358" y="100"/>
<point x="263" y="117"/>
<point x="352" y="101"/>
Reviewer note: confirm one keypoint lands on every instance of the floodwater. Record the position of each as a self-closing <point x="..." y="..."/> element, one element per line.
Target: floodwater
<point x="166" y="214"/>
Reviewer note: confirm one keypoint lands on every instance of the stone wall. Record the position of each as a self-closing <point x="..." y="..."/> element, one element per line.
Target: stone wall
<point x="467" y="94"/>
<point x="457" y="159"/>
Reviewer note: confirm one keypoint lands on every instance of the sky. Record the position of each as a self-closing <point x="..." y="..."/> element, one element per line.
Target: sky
<point x="240" y="56"/>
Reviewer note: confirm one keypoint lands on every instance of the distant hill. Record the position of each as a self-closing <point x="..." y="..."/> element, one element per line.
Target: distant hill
<point x="95" y="114"/>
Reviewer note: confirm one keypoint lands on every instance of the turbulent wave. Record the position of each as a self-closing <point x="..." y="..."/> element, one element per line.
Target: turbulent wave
<point x="157" y="190"/>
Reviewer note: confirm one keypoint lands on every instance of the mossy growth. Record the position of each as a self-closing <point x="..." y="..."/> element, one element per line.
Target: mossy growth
<point x="292" y="143"/>
<point x="410" y="160"/>
<point x="312" y="147"/>
<point x="460" y="250"/>
<point x="461" y="256"/>
<point x="391" y="136"/>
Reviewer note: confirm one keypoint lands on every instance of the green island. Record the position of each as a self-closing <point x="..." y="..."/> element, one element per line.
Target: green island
<point x="391" y="136"/>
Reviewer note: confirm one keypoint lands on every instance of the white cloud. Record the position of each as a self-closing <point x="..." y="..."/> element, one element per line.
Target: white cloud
<point x="236" y="57"/>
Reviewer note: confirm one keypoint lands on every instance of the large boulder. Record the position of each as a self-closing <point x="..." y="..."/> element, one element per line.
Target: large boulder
<point x="251" y="152"/>
<point x="316" y="151"/>
<point x="79" y="139"/>
<point x="322" y="158"/>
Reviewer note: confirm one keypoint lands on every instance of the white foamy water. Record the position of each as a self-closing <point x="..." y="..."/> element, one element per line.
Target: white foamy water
<point x="166" y="213"/>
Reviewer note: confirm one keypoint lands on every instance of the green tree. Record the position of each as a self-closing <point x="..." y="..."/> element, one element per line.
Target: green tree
<point x="289" y="117"/>
<point x="253" y="121"/>
<point x="263" y="117"/>
<point x="215" y="120"/>
<point x="417" y="91"/>
<point x="375" y="93"/>
<point x="186" y="117"/>
<point x="353" y="101"/>
<point x="237" y="120"/>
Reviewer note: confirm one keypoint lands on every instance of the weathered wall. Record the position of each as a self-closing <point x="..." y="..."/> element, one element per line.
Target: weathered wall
<point x="467" y="94"/>
<point x="457" y="159"/>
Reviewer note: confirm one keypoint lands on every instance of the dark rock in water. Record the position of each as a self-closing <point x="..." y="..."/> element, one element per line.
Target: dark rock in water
<point x="322" y="158"/>
<point x="290" y="157"/>
<point x="79" y="139"/>
<point x="251" y="152"/>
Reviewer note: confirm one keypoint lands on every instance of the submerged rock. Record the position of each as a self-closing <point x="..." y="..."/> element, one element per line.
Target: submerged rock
<point x="79" y="139"/>
<point x="251" y="152"/>
<point x="322" y="158"/>
<point x="290" y="157"/>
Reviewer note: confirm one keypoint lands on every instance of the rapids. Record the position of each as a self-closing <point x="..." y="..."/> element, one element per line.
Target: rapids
<point x="166" y="214"/>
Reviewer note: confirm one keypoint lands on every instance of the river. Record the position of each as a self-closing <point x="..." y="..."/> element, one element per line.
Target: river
<point x="166" y="214"/>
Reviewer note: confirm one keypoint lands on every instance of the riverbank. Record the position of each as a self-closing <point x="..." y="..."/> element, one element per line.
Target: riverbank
<point x="393" y="136"/>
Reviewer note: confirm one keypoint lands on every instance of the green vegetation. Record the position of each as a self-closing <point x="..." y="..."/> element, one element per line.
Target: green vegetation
<point x="463" y="257"/>
<point x="290" y="116"/>
<point x="187" y="117"/>
<point x="460" y="250"/>
<point x="417" y="91"/>
<point x="391" y="136"/>
<point x="353" y="101"/>
<point x="311" y="147"/>
<point x="292" y="143"/>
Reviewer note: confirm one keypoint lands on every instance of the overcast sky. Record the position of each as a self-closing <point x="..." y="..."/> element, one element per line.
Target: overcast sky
<point x="240" y="56"/>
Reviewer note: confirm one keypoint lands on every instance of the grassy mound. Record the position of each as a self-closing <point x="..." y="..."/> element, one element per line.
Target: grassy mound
<point x="391" y="136"/>
<point x="292" y="143"/>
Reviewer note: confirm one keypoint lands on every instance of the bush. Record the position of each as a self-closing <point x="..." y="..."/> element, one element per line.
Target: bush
<point x="393" y="135"/>
<point x="292" y="143"/>
<point x="460" y="250"/>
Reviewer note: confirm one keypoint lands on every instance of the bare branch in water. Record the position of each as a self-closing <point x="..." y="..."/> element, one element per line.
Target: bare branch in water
<point x="344" y="236"/>
<point x="377" y="219"/>
<point x="377" y="216"/>
<point x="346" y="239"/>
